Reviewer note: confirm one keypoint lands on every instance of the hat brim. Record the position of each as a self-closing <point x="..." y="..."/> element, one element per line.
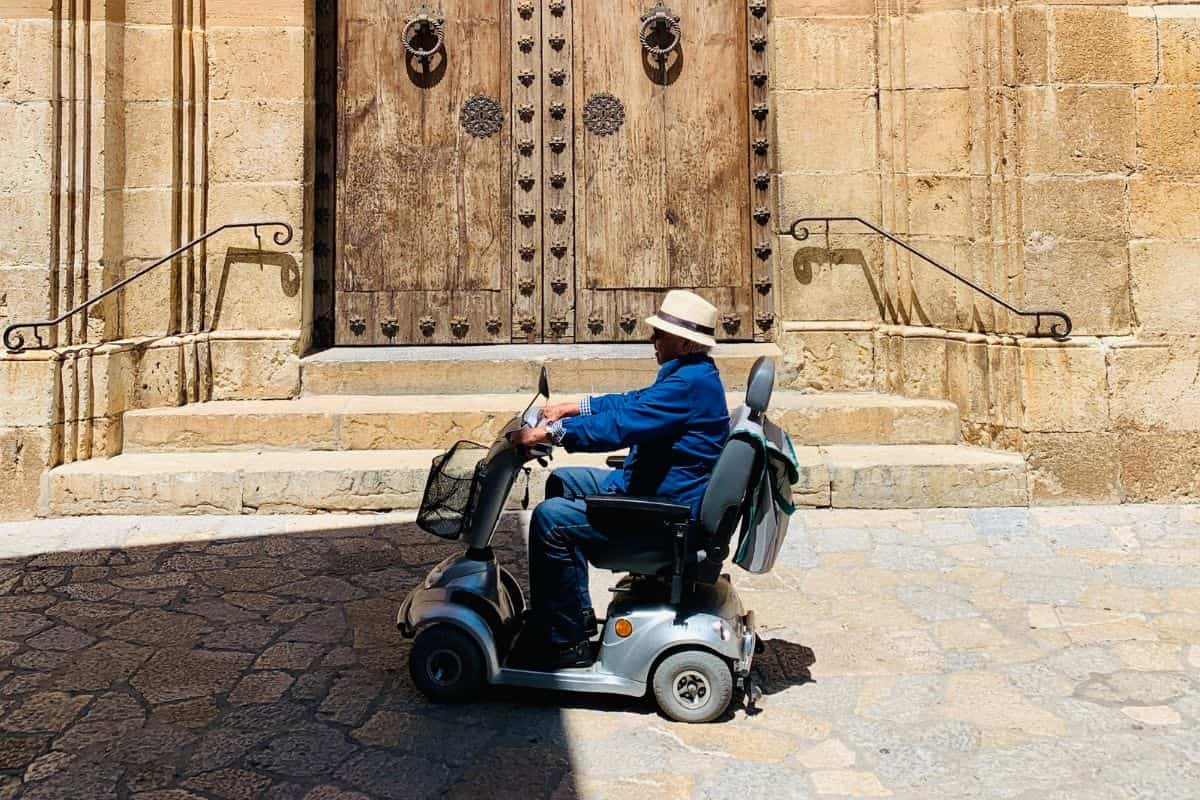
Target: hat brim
<point x="680" y="331"/>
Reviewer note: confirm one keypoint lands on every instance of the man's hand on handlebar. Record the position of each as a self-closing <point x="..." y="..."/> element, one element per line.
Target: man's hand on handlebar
<point x="559" y="411"/>
<point x="529" y="437"/>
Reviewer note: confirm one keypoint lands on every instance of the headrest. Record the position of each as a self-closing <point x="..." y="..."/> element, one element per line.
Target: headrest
<point x="760" y="385"/>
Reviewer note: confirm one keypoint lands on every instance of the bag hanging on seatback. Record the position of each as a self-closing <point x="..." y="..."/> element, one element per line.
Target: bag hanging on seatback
<point x="769" y="507"/>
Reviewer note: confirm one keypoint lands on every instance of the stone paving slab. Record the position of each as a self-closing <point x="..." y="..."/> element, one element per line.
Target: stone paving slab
<point x="993" y="653"/>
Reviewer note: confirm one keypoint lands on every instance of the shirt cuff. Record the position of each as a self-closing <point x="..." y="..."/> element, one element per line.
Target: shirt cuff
<point x="555" y="429"/>
<point x="585" y="407"/>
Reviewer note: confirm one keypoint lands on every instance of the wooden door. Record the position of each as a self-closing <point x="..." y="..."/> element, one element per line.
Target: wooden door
<point x="424" y="224"/>
<point x="662" y="166"/>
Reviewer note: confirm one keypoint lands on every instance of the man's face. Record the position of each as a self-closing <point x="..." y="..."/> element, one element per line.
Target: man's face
<point x="666" y="346"/>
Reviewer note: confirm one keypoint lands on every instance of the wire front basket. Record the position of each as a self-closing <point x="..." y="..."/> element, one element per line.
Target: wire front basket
<point x="452" y="491"/>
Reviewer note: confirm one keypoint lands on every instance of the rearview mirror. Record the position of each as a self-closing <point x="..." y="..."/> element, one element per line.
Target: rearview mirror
<point x="544" y="384"/>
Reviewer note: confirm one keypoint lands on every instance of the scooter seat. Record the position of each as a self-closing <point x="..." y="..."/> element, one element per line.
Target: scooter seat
<point x="639" y="533"/>
<point x="607" y="508"/>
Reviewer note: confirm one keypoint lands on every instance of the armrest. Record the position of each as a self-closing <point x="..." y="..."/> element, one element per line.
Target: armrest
<point x="658" y="509"/>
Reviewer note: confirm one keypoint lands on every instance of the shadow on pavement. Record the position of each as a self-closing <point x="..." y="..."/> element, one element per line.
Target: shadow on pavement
<point x="263" y="667"/>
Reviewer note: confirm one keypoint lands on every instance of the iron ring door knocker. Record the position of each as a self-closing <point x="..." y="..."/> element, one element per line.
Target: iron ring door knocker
<point x="424" y="25"/>
<point x="660" y="33"/>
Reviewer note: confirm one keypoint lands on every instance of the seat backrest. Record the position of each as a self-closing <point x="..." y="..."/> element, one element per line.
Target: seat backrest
<point x="725" y="497"/>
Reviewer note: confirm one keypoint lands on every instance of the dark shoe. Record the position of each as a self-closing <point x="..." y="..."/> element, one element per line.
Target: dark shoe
<point x="542" y="656"/>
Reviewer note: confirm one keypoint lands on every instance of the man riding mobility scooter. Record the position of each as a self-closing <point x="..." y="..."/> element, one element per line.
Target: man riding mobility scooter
<point x="675" y="625"/>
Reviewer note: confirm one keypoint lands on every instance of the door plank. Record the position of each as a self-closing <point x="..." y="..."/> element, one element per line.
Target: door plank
<point x="707" y="150"/>
<point x="423" y="206"/>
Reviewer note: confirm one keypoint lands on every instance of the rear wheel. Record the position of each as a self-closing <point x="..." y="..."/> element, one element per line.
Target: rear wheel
<point x="446" y="664"/>
<point x="693" y="686"/>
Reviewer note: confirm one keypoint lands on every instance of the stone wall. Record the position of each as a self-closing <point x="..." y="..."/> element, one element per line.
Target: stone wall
<point x="1047" y="151"/>
<point x="124" y="133"/>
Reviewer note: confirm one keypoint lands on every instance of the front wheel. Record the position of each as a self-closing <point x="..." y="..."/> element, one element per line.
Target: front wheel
<point x="693" y="686"/>
<point x="446" y="664"/>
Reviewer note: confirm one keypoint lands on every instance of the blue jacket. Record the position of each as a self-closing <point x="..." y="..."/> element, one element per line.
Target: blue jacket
<point x="675" y="429"/>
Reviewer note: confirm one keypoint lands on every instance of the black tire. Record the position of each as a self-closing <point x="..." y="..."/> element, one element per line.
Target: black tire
<point x="693" y="686"/>
<point x="446" y="664"/>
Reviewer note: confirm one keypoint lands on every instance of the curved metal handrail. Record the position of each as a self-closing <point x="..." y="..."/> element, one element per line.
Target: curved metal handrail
<point x="1059" y="331"/>
<point x="14" y="341"/>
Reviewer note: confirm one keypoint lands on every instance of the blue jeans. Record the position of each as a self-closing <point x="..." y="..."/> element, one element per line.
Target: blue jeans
<point x="559" y="535"/>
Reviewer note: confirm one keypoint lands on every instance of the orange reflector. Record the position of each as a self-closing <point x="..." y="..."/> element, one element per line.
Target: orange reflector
<point x="623" y="628"/>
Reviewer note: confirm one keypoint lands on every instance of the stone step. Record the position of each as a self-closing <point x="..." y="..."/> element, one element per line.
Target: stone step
<point x="490" y="369"/>
<point x="925" y="476"/>
<point x="402" y="422"/>
<point x="894" y="476"/>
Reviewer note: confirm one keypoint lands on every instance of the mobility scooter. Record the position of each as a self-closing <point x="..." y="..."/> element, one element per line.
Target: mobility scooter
<point x="675" y="626"/>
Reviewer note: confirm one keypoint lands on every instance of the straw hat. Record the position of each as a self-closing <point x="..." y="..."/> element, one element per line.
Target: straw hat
<point x="687" y="315"/>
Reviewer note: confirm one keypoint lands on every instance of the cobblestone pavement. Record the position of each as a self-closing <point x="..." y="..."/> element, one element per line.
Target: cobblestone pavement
<point x="1043" y="654"/>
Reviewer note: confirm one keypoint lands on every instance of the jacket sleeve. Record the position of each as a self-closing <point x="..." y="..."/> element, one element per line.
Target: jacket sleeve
<point x="642" y="416"/>
<point x="607" y="403"/>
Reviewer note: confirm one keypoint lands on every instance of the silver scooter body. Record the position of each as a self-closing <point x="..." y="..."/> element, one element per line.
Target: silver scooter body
<point x="474" y="593"/>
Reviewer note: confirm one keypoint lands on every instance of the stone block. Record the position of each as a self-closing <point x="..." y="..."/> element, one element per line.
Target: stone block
<point x="782" y="9"/>
<point x="929" y="296"/>
<point x="28" y="387"/>
<point x="921" y="362"/>
<point x="1154" y="387"/>
<point x="1169" y="129"/>
<point x="104" y="487"/>
<point x="254" y="369"/>
<point x="149" y="67"/>
<point x="838" y="280"/>
<point x="1073" y="468"/>
<point x="1179" y="43"/>
<point x="26" y="53"/>
<point x="1031" y="35"/>
<point x="25" y="228"/>
<point x="257" y="63"/>
<point x="149" y="306"/>
<point x="938" y="49"/>
<point x="268" y="13"/>
<point x="1004" y="386"/>
<point x="24" y="455"/>
<point x="828" y="360"/>
<point x="1077" y="129"/>
<point x="146" y="12"/>
<point x="148" y="216"/>
<point x="925" y="476"/>
<point x="156" y="376"/>
<point x="938" y="130"/>
<point x="1164" y="208"/>
<point x="823" y="53"/>
<point x="1103" y="45"/>
<point x="149" y="135"/>
<point x="939" y="205"/>
<point x="25" y="145"/>
<point x="250" y="289"/>
<point x="251" y="202"/>
<point x="1066" y="389"/>
<point x="24" y="295"/>
<point x="1087" y="280"/>
<point x="1160" y="466"/>
<point x="826" y="131"/>
<point x="1090" y="208"/>
<point x="256" y="141"/>
<point x="1165" y="278"/>
<point x="854" y="195"/>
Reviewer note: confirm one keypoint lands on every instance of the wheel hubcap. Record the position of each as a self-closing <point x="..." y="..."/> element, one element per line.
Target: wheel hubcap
<point x="444" y="667"/>
<point x="692" y="689"/>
